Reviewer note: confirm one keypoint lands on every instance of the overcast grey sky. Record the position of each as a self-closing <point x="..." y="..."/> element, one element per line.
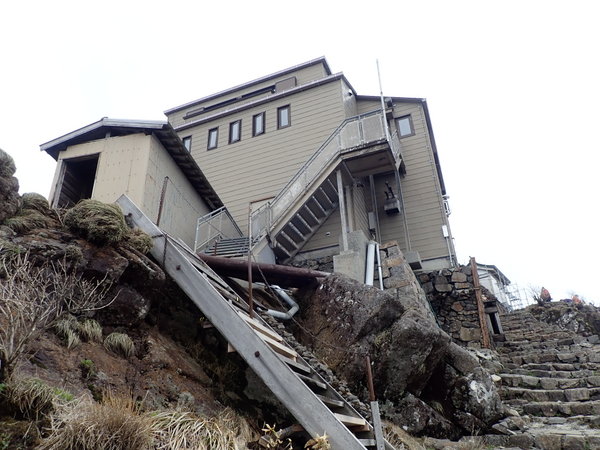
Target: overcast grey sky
<point x="512" y="88"/>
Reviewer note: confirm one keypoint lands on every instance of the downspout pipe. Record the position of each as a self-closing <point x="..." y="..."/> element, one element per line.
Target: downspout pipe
<point x="379" y="266"/>
<point x="286" y="298"/>
<point x="369" y="272"/>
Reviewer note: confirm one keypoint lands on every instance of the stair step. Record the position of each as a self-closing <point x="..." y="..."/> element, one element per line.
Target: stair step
<point x="368" y="442"/>
<point x="312" y="382"/>
<point x="331" y="402"/>
<point x="260" y="327"/>
<point x="295" y="365"/>
<point x="350" y="420"/>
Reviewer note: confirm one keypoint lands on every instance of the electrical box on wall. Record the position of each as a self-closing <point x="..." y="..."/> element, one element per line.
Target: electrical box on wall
<point x="391" y="206"/>
<point x="372" y="222"/>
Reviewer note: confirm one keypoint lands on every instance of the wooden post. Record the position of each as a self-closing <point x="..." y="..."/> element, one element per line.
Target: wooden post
<point x="377" y="428"/>
<point x="485" y="335"/>
<point x="342" y="203"/>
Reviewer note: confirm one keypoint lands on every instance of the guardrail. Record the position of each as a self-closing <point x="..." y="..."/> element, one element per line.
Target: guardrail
<point x="215" y="226"/>
<point x="353" y="132"/>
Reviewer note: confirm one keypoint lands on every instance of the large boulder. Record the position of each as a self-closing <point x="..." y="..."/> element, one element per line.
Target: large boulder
<point x="9" y="187"/>
<point x="416" y="366"/>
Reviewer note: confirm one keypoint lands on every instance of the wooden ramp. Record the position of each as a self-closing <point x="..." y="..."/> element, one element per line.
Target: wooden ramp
<point x="314" y="404"/>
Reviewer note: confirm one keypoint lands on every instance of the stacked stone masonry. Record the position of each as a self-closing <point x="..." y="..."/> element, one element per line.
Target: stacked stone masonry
<point x="452" y="297"/>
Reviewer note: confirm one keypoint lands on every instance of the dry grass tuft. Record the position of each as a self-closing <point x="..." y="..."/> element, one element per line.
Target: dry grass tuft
<point x="67" y="328"/>
<point x="120" y="344"/>
<point x="140" y="240"/>
<point x="90" y="331"/>
<point x="118" y="423"/>
<point x="27" y="220"/>
<point x="30" y="396"/>
<point x="185" y="430"/>
<point x="399" y="438"/>
<point x="98" y="222"/>
<point x="115" y="424"/>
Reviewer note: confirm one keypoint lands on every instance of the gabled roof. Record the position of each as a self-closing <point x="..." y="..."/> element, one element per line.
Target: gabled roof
<point x="494" y="271"/>
<point x="164" y="132"/>
<point x="312" y="62"/>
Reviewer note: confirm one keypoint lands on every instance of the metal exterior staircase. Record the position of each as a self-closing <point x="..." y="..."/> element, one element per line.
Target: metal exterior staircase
<point x="361" y="146"/>
<point x="314" y="403"/>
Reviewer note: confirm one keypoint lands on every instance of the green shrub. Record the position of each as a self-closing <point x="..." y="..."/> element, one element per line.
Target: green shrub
<point x="88" y="368"/>
<point x="120" y="344"/>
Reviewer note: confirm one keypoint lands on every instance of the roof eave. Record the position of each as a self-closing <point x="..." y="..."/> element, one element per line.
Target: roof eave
<point x="312" y="62"/>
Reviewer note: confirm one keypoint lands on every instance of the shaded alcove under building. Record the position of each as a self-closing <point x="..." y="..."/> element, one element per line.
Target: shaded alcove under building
<point x="77" y="181"/>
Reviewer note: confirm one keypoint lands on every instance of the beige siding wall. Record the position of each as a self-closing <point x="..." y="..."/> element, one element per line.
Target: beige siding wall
<point x="328" y="235"/>
<point x="421" y="191"/>
<point x="349" y="101"/>
<point x="303" y="76"/>
<point x="365" y="106"/>
<point x="122" y="163"/>
<point x="258" y="167"/>
<point x="135" y="165"/>
<point x="182" y="204"/>
<point x="361" y="218"/>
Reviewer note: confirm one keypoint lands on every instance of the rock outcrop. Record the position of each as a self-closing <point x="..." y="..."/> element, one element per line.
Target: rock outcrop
<point x="426" y="383"/>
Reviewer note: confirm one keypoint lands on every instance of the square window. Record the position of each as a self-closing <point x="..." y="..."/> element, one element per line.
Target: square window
<point x="235" y="131"/>
<point x="258" y="124"/>
<point x="404" y="126"/>
<point x="213" y="138"/>
<point x="283" y="117"/>
<point x="187" y="143"/>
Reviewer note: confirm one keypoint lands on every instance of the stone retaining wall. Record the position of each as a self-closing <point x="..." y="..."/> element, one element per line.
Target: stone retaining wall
<point x="452" y="297"/>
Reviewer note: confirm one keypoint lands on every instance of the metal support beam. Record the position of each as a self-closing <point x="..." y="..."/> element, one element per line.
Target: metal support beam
<point x="342" y="204"/>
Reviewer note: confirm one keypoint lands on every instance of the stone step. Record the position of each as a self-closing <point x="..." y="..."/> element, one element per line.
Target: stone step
<point x="536" y="382"/>
<point x="582" y="373"/>
<point x="558" y="409"/>
<point x="511" y="344"/>
<point x="550" y="357"/>
<point x="546" y="439"/>
<point x="550" y="395"/>
<point x="565" y="367"/>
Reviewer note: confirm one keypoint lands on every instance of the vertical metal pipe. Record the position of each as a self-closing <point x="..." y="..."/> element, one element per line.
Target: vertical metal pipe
<point x="369" y="271"/>
<point x="379" y="266"/>
<point x="250" y="299"/>
<point x="340" y="186"/>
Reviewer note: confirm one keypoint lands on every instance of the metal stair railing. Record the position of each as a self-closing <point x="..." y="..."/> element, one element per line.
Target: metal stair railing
<point x="353" y="132"/>
<point x="300" y="400"/>
<point x="215" y="226"/>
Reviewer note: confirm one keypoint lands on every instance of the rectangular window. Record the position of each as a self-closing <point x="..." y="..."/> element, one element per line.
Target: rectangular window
<point x="187" y="143"/>
<point x="258" y="124"/>
<point x="235" y="131"/>
<point x="213" y="138"/>
<point x="404" y="126"/>
<point x="283" y="117"/>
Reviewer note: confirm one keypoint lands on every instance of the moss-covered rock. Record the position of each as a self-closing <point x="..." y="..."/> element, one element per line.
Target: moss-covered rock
<point x="9" y="187"/>
<point x="100" y="223"/>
